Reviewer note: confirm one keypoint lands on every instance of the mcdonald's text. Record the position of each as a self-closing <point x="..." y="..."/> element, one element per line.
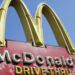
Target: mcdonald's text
<point x="28" y="59"/>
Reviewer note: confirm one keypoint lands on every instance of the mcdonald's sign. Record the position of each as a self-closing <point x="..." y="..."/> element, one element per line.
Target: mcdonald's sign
<point x="36" y="58"/>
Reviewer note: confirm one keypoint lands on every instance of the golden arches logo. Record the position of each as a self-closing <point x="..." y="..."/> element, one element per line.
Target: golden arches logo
<point x="32" y="25"/>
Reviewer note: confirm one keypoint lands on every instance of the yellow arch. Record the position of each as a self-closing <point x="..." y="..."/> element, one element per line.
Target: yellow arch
<point x="32" y="26"/>
<point x="26" y="20"/>
<point x="56" y="25"/>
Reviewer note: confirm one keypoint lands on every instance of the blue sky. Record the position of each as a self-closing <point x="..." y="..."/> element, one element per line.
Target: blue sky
<point x="65" y="9"/>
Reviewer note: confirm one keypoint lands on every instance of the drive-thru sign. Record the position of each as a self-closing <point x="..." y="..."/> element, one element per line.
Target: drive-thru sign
<point x="20" y="58"/>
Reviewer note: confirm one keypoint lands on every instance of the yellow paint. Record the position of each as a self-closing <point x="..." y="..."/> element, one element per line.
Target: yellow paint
<point x="18" y="70"/>
<point x="62" y="71"/>
<point x="57" y="71"/>
<point x="31" y="71"/>
<point x="26" y="70"/>
<point x="68" y="72"/>
<point x="36" y="70"/>
<point x="51" y="71"/>
<point x="43" y="72"/>
<point x="32" y="25"/>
